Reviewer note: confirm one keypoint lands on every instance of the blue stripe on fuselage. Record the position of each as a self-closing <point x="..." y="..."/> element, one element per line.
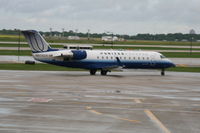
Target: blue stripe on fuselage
<point x="98" y="64"/>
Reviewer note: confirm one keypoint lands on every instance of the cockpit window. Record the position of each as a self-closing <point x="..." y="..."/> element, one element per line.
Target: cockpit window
<point x="162" y="56"/>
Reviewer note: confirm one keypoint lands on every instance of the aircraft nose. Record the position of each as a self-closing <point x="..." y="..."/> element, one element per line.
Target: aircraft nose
<point x="172" y="64"/>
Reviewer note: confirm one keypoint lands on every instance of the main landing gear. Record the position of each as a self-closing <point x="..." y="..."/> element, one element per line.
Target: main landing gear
<point x="103" y="72"/>
<point x="163" y="72"/>
<point x="93" y="72"/>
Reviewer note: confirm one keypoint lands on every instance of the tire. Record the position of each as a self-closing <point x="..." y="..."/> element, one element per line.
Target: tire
<point x="104" y="72"/>
<point x="163" y="72"/>
<point x="93" y="72"/>
<point x="30" y="62"/>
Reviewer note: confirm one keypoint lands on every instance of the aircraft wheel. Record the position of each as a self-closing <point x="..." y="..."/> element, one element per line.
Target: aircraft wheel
<point x="104" y="72"/>
<point x="93" y="72"/>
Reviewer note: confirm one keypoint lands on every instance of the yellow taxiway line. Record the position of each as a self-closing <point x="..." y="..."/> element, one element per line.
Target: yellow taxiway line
<point x="156" y="120"/>
<point x="112" y="116"/>
<point x="137" y="101"/>
<point x="150" y="114"/>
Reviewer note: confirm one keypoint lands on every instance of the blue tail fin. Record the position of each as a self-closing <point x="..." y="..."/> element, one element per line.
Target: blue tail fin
<point x="36" y="41"/>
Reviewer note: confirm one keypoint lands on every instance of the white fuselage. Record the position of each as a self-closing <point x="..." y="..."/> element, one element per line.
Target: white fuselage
<point x="102" y="59"/>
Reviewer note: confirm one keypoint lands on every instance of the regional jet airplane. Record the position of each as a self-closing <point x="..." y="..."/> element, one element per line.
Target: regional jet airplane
<point x="93" y="60"/>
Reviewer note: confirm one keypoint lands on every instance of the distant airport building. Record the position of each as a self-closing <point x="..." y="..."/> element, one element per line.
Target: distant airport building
<point x="121" y="39"/>
<point x="73" y="38"/>
<point x="184" y="40"/>
<point x="109" y="38"/>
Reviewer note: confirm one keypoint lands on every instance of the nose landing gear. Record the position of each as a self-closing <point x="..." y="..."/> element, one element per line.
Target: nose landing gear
<point x="163" y="72"/>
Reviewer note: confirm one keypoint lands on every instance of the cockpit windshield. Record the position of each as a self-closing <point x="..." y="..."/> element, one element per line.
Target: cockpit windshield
<point x="162" y="56"/>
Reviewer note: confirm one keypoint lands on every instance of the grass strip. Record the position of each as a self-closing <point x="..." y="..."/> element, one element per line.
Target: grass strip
<point x="15" y="52"/>
<point x="184" y="69"/>
<point x="181" y="55"/>
<point x="141" y="48"/>
<point x="108" y="47"/>
<point x="15" y="38"/>
<point x="26" y="45"/>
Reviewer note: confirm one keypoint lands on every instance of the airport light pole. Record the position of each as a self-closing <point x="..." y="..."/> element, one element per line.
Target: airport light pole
<point x="76" y="31"/>
<point x="19" y="41"/>
<point x="50" y="31"/>
<point x="88" y="34"/>
<point x="63" y="31"/>
<point x="192" y="32"/>
<point x="112" y="40"/>
<point x="191" y="45"/>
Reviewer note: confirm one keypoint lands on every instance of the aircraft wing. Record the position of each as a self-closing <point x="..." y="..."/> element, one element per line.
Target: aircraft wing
<point x="119" y="66"/>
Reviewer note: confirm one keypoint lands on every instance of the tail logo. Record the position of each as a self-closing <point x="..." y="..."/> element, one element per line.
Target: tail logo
<point x="36" y="41"/>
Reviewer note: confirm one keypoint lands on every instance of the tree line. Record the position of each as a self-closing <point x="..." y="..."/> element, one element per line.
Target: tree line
<point x="156" y="37"/>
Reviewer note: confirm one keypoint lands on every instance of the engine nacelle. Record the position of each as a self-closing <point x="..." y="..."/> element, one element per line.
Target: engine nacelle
<point x="79" y="54"/>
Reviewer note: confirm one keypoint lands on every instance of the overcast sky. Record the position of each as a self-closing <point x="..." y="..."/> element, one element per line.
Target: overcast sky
<point x="118" y="16"/>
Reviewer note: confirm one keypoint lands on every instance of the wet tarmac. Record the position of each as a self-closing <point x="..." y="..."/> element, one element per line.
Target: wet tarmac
<point x="122" y="102"/>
